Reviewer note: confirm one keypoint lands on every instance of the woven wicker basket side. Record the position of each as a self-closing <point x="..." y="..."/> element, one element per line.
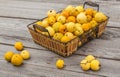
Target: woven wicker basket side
<point x="64" y="49"/>
<point x="101" y="28"/>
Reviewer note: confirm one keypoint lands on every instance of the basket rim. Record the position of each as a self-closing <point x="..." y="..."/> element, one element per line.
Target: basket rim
<point x="31" y="24"/>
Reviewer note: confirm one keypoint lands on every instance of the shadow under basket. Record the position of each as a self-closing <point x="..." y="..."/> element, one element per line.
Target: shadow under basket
<point x="66" y="49"/>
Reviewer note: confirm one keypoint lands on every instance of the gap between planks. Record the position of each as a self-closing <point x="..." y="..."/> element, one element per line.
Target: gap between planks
<point x="33" y="64"/>
<point x="39" y="19"/>
<point x="68" y="56"/>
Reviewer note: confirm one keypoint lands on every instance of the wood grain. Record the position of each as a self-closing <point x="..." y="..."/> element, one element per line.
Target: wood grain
<point x="107" y="46"/>
<point x="47" y="59"/>
<point x="15" y="15"/>
<point x="38" y="9"/>
<point x="30" y="70"/>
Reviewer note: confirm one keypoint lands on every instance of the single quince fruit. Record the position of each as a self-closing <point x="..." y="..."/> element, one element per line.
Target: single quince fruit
<point x="69" y="34"/>
<point x="8" y="55"/>
<point x="25" y="54"/>
<point x="58" y="36"/>
<point x="50" y="30"/>
<point x="17" y="60"/>
<point x="60" y="63"/>
<point x="70" y="26"/>
<point x="95" y="65"/>
<point x="65" y="39"/>
<point x="56" y="26"/>
<point x="19" y="46"/>
<point x="51" y="13"/>
<point x="85" y="65"/>
<point x="81" y="18"/>
<point x="61" y="19"/>
<point x="89" y="58"/>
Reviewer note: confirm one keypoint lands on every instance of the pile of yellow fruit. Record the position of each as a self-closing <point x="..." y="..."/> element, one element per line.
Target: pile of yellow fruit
<point x="86" y="64"/>
<point x="90" y="63"/>
<point x="70" y="22"/>
<point x="15" y="58"/>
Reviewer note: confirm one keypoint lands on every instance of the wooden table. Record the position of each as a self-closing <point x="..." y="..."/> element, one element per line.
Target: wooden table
<point x="15" y="15"/>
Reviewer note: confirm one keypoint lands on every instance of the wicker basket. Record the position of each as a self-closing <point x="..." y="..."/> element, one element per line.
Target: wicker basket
<point x="66" y="49"/>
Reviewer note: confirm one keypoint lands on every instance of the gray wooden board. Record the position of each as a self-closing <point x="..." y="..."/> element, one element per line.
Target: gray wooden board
<point x="38" y="9"/>
<point x="13" y="30"/>
<point x="30" y="70"/>
<point x="47" y="59"/>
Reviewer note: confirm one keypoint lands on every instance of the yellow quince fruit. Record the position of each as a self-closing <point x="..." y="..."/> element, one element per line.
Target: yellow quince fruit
<point x="25" y="54"/>
<point x="17" y="60"/>
<point x="8" y="55"/>
<point x="60" y="63"/>
<point x="19" y="46"/>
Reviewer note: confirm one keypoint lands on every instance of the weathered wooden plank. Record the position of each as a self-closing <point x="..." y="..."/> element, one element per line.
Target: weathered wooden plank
<point x="47" y="59"/>
<point x="30" y="70"/>
<point x="106" y="46"/>
<point x="38" y="9"/>
<point x="13" y="30"/>
<point x="17" y="29"/>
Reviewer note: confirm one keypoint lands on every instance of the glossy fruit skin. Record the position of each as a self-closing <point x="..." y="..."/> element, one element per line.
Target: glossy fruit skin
<point x="89" y="58"/>
<point x="57" y="36"/>
<point x="81" y="18"/>
<point x="25" y="54"/>
<point x="17" y="60"/>
<point x="61" y="19"/>
<point x="86" y="26"/>
<point x="100" y="17"/>
<point x="95" y="65"/>
<point x="51" y="13"/>
<point x="19" y="46"/>
<point x="50" y="30"/>
<point x="70" y="26"/>
<point x="8" y="55"/>
<point x="62" y="29"/>
<point x="56" y="26"/>
<point x="85" y="65"/>
<point x="65" y="39"/>
<point x="69" y="34"/>
<point x="51" y="20"/>
<point x="71" y="19"/>
<point x="60" y="63"/>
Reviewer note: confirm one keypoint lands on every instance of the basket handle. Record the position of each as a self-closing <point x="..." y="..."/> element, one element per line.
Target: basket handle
<point x="91" y="4"/>
<point x="41" y="29"/>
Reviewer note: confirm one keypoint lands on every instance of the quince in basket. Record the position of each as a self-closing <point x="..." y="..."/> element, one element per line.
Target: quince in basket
<point x="74" y="20"/>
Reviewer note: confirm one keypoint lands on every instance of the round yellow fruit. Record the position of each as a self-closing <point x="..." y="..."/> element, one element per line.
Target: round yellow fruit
<point x="89" y="58"/>
<point x="79" y="8"/>
<point x="86" y="26"/>
<point x="17" y="60"/>
<point x="57" y="36"/>
<point x="51" y="20"/>
<point x="25" y="54"/>
<point x="60" y="63"/>
<point x="69" y="34"/>
<point x="19" y="46"/>
<point x="65" y="39"/>
<point x="61" y="19"/>
<point x="95" y="65"/>
<point x="71" y="19"/>
<point x="100" y="17"/>
<point x="70" y="26"/>
<point x="65" y="13"/>
<point x="81" y="18"/>
<point x="51" y="13"/>
<point x="89" y="11"/>
<point x="50" y="30"/>
<point x="8" y="55"/>
<point x="85" y="65"/>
